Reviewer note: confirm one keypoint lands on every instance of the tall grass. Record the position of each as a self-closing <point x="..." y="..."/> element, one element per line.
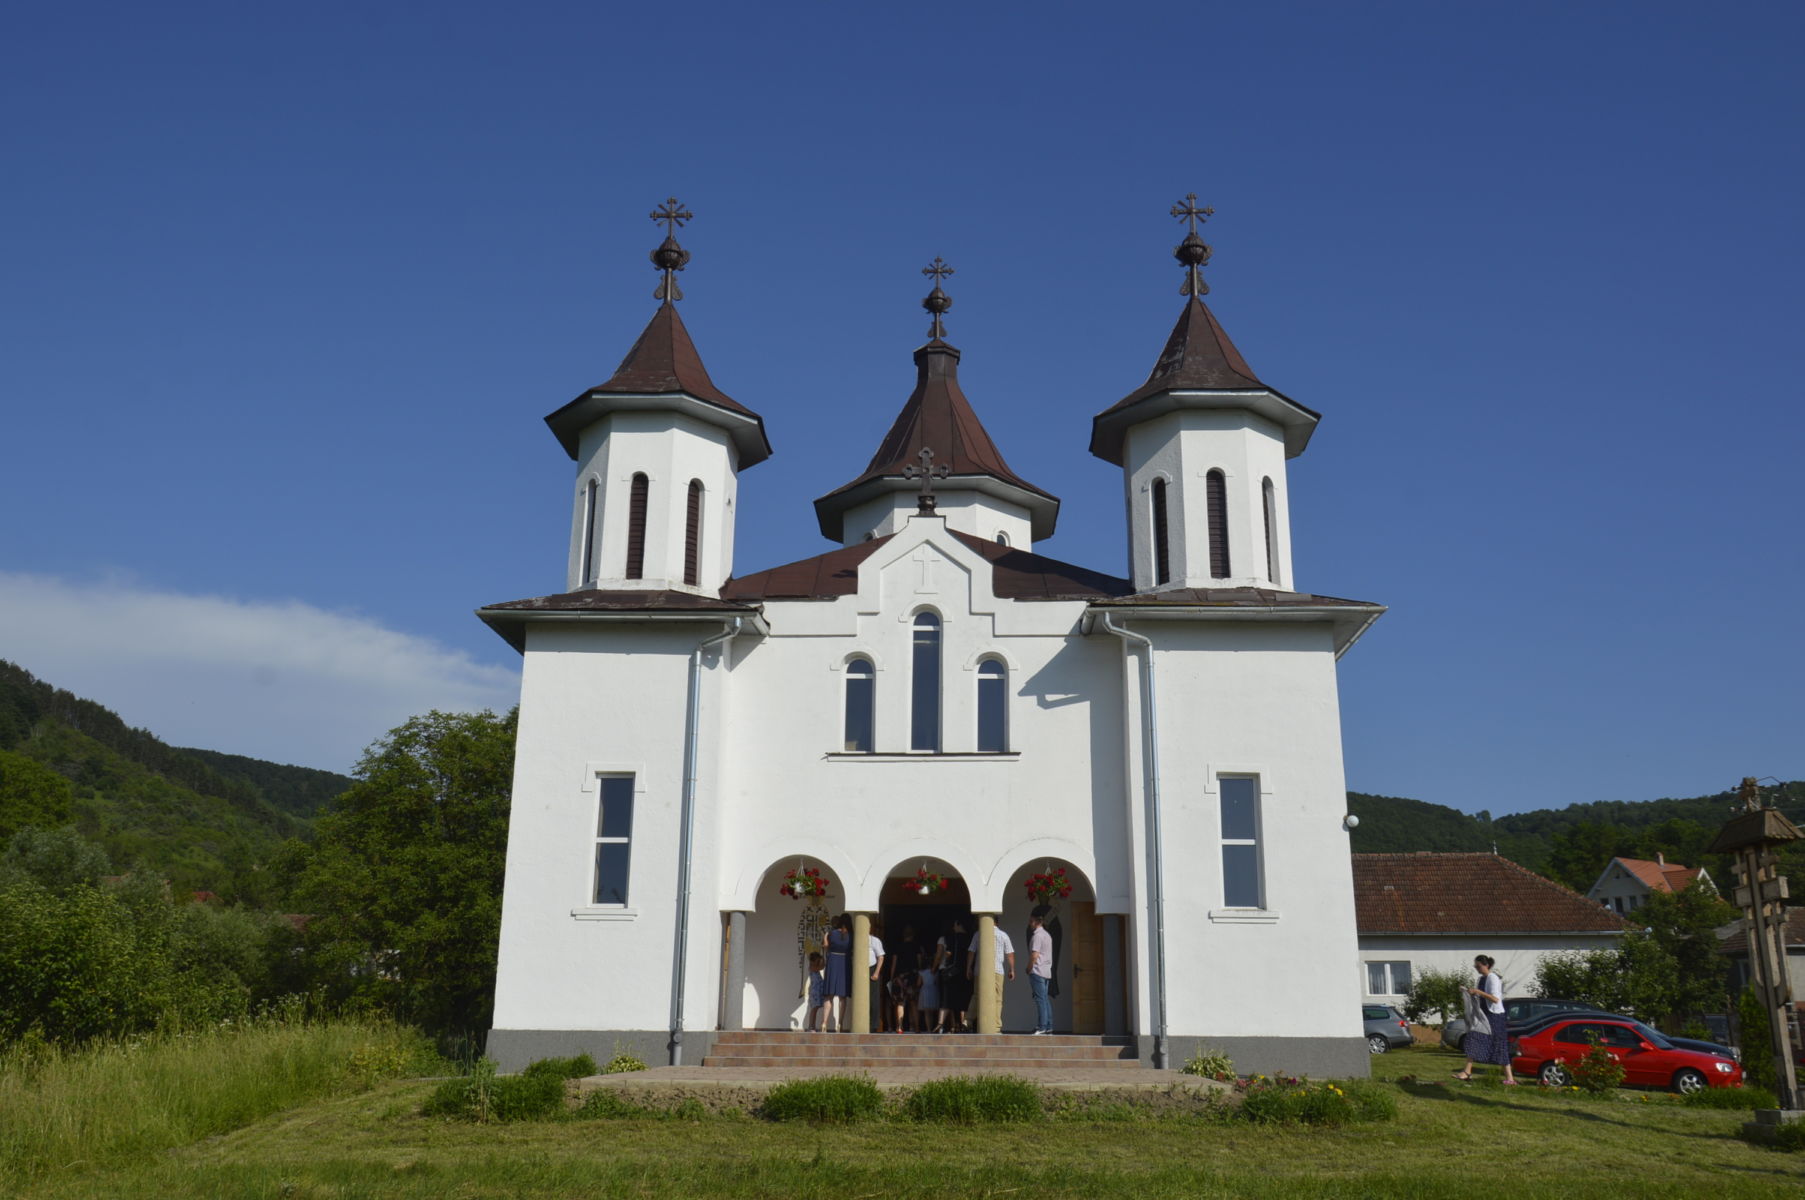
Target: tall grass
<point x="62" y="1108"/>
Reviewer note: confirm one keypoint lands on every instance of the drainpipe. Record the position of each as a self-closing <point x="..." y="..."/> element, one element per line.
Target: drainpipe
<point x="687" y="837"/>
<point x="1150" y="721"/>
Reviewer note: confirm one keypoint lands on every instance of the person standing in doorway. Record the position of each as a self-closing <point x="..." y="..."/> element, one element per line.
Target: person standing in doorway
<point x="837" y="943"/>
<point x="955" y="989"/>
<point x="1040" y="968"/>
<point x="877" y="961"/>
<point x="1005" y="966"/>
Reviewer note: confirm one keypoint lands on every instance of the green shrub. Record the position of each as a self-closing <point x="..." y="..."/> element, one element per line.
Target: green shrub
<point x="1757" y="1041"/>
<point x="1211" y="1064"/>
<point x="606" y="1104"/>
<point x="1436" y="994"/>
<point x="967" y="1100"/>
<point x="1289" y="1101"/>
<point x="1789" y="1136"/>
<point x="1596" y="1070"/>
<point x="836" y="1099"/>
<point x="485" y="1096"/>
<point x="623" y="1062"/>
<point x="1732" y="1097"/>
<point x="562" y="1068"/>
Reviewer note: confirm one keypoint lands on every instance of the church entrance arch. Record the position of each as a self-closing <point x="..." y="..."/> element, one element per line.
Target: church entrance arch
<point x="795" y="899"/>
<point x="920" y="901"/>
<point x="1087" y="984"/>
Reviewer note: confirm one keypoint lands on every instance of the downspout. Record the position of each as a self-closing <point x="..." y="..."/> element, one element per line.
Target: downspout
<point x="687" y="835"/>
<point x="1157" y="854"/>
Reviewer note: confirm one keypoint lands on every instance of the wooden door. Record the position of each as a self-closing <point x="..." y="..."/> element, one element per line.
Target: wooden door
<point x="1085" y="930"/>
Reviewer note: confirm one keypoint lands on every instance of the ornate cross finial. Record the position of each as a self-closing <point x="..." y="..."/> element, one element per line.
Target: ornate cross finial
<point x="1193" y="252"/>
<point x="927" y="472"/>
<point x="670" y="257"/>
<point x="937" y="301"/>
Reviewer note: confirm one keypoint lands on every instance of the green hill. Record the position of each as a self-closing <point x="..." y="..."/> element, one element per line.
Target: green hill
<point x="206" y="821"/>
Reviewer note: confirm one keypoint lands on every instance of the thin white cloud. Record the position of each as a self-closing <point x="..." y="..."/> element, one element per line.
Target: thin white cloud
<point x="285" y="681"/>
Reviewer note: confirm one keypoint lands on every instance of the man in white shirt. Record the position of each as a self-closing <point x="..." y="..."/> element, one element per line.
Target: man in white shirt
<point x="1040" y="968"/>
<point x="876" y="963"/>
<point x="1005" y="967"/>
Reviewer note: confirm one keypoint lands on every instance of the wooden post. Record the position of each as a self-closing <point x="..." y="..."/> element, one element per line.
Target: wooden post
<point x="860" y="967"/>
<point x="983" y="976"/>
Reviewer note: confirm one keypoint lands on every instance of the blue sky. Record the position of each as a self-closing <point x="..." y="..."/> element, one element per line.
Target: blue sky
<point x="287" y="292"/>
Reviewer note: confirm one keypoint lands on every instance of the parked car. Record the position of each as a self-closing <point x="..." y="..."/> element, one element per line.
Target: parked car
<point x="1642" y="1027"/>
<point x="1648" y="1061"/>
<point x="1385" y="1028"/>
<point x="1526" y="1014"/>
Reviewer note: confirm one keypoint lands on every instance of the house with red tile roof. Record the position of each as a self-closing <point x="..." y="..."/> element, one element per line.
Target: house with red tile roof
<point x="1438" y="911"/>
<point x="1625" y="884"/>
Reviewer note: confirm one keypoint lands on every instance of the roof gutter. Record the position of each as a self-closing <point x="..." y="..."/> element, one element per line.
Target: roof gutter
<point x="1156" y="846"/>
<point x="687" y="836"/>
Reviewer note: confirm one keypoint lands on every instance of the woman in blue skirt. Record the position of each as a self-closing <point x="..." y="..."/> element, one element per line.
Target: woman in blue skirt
<point x="838" y="946"/>
<point x="1488" y="1035"/>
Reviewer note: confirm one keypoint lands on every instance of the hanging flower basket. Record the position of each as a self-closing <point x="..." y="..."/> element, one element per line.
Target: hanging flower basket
<point x="1052" y="885"/>
<point x="926" y="883"/>
<point x="804" y="881"/>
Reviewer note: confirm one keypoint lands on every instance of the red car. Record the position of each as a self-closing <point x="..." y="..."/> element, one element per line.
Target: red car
<point x="1647" y="1061"/>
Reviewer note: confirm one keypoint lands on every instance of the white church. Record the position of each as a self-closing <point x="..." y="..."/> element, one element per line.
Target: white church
<point x="928" y="716"/>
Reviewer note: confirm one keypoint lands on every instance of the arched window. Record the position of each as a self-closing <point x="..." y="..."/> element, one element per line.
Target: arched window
<point x="993" y="707"/>
<point x="1270" y="503"/>
<point x="591" y="502"/>
<point x="924" y="697"/>
<point x="861" y="705"/>
<point x="636" y="527"/>
<point x="1215" y="491"/>
<point x="692" y="537"/>
<point x="1162" y="545"/>
<point x="1002" y="538"/>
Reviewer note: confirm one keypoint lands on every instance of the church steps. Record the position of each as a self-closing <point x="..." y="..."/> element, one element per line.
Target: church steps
<point x="978" y="1052"/>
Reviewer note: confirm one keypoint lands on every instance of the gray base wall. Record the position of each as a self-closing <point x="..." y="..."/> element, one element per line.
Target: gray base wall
<point x="1319" y="1058"/>
<point x="513" y="1049"/>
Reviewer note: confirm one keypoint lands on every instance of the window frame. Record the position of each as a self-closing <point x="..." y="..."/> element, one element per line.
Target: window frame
<point x="993" y="669"/>
<point x="1388" y="970"/>
<point x="868" y="676"/>
<point x="928" y="692"/>
<point x="609" y="783"/>
<point x="1256" y="842"/>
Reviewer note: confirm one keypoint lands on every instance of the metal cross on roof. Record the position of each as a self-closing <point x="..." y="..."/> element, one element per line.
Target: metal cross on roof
<point x="937" y="301"/>
<point x="927" y="472"/>
<point x="670" y="257"/>
<point x="1193" y="252"/>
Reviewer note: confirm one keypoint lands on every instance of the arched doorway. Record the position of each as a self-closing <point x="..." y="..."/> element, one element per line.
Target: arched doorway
<point x="1084" y="968"/>
<point x="922" y="901"/>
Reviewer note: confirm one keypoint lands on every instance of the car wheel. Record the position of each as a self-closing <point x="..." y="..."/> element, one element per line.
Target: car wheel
<point x="1689" y="1081"/>
<point x="1555" y="1075"/>
<point x="1376" y="1043"/>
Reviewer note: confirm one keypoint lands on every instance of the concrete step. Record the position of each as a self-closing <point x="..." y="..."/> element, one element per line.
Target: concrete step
<point x="951" y="1065"/>
<point x="951" y="1052"/>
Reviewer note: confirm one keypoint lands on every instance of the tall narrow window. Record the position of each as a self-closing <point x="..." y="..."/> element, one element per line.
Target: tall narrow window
<point x="861" y="703"/>
<point x="993" y="707"/>
<point x="613" y="838"/>
<point x="1215" y="492"/>
<point x="636" y="527"/>
<point x="1242" y="886"/>
<point x="692" y="537"/>
<point x="591" y="502"/>
<point x="924" y="707"/>
<point x="1162" y="543"/>
<point x="1270" y="502"/>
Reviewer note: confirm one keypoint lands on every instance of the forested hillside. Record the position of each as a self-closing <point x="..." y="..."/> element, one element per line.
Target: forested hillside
<point x="206" y="821"/>
<point x="1570" y="844"/>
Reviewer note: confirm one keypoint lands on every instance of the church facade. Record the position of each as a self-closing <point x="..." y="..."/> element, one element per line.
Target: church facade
<point x="933" y="720"/>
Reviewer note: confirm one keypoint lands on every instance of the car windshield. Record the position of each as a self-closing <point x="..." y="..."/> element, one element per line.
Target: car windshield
<point x="1654" y="1036"/>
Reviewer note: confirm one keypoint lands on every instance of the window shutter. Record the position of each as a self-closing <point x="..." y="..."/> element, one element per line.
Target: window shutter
<point x="636" y="528"/>
<point x="692" y="536"/>
<point x="1216" y="492"/>
<point x="1162" y="546"/>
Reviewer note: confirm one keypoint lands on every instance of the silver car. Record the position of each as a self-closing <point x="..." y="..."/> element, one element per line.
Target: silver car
<point x="1385" y="1028"/>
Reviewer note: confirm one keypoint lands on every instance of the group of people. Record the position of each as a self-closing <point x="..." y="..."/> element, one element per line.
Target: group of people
<point x="913" y="984"/>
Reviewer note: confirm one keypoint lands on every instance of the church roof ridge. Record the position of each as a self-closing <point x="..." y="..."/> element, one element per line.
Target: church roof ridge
<point x="1015" y="575"/>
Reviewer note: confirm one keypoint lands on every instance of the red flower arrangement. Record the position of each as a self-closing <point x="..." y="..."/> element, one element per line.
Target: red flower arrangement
<point x="926" y="882"/>
<point x="1052" y="885"/>
<point x="804" y="881"/>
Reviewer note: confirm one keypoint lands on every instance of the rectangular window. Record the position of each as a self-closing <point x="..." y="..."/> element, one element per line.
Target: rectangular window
<point x="1388" y="979"/>
<point x="613" y="838"/>
<point x="1242" y="886"/>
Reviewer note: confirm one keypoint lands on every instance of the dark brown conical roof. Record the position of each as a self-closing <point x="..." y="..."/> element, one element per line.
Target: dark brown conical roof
<point x="1199" y="357"/>
<point x="939" y="417"/>
<point x="663" y="362"/>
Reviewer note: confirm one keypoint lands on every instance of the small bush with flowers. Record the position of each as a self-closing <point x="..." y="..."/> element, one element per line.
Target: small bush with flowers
<point x="1596" y="1070"/>
<point x="804" y="881"/>
<point x="1050" y="885"/>
<point x="1211" y="1064"/>
<point x="1294" y="1100"/>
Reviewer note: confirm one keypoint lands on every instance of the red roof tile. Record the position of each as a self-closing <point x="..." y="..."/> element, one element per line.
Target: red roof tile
<point x="1014" y="575"/>
<point x="1738" y="942"/>
<point x="1467" y="893"/>
<point x="1660" y="877"/>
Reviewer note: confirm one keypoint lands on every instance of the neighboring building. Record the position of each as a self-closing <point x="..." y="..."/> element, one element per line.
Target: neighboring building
<point x="1426" y="910"/>
<point x="1626" y="883"/>
<point x="931" y="695"/>
<point x="1736" y="947"/>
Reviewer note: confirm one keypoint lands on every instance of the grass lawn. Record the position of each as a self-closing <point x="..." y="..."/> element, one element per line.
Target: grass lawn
<point x="1450" y="1140"/>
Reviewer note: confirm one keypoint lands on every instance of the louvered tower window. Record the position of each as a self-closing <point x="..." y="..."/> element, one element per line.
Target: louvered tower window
<point x="1215" y="490"/>
<point x="1162" y="545"/>
<point x="692" y="537"/>
<point x="636" y="527"/>
<point x="591" y="501"/>
<point x="1270" y="502"/>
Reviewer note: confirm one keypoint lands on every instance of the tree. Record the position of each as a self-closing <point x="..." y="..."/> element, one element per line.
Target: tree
<point x="1435" y="993"/>
<point x="1682" y="925"/>
<point x="403" y="883"/>
<point x="1579" y="854"/>
<point x="31" y="794"/>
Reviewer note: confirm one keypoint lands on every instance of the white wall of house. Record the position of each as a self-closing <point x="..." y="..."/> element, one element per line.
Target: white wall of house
<point x="1517" y="955"/>
<point x="1618" y="890"/>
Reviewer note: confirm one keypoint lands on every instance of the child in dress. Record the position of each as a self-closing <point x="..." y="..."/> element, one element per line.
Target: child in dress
<point x="817" y="993"/>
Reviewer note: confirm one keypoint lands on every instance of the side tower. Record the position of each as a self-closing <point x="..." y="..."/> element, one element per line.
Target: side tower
<point x="659" y="449"/>
<point x="1202" y="445"/>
